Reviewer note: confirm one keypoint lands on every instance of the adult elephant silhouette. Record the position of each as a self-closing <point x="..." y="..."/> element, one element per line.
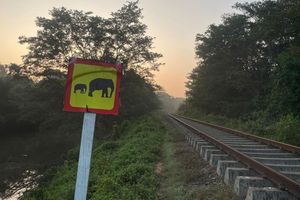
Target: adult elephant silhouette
<point x="101" y="84"/>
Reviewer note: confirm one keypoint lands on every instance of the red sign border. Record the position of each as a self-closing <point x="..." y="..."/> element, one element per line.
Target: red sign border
<point x="69" y="107"/>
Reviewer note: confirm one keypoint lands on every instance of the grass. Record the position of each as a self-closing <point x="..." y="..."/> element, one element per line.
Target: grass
<point x="146" y="159"/>
<point x="122" y="168"/>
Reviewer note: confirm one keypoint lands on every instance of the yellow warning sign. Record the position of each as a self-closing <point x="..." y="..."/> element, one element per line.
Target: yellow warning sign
<point x="93" y="87"/>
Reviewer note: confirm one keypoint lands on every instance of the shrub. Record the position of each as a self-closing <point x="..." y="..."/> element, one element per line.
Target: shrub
<point x="288" y="129"/>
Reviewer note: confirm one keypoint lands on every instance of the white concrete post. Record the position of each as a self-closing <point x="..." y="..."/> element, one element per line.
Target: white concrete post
<point x="85" y="154"/>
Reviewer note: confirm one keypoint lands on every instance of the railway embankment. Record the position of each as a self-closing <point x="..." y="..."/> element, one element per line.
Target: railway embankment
<point x="257" y="168"/>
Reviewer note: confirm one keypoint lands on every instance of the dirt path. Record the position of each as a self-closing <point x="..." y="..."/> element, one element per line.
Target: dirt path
<point x="185" y="175"/>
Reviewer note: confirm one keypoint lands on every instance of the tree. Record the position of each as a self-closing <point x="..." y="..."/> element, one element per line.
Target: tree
<point x="14" y="89"/>
<point x="122" y="37"/>
<point x="276" y="27"/>
<point x="137" y="96"/>
<point x="285" y="95"/>
<point x="2" y="71"/>
<point x="225" y="77"/>
<point x="244" y="62"/>
<point x="73" y="33"/>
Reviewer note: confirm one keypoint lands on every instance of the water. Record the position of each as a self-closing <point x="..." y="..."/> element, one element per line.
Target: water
<point x="17" y="189"/>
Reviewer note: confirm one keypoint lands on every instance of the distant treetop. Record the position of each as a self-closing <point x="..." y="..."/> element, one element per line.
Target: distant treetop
<point x="73" y="33"/>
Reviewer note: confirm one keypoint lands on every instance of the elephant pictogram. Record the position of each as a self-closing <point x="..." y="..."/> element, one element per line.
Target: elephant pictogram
<point x="81" y="87"/>
<point x="101" y="84"/>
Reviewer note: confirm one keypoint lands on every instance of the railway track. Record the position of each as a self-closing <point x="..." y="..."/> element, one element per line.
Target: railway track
<point x="256" y="167"/>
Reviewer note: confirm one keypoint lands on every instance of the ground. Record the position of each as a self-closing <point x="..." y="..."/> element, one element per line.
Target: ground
<point x="149" y="159"/>
<point x="185" y="175"/>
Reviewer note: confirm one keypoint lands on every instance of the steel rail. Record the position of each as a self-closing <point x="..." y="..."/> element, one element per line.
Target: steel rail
<point x="284" y="146"/>
<point x="279" y="179"/>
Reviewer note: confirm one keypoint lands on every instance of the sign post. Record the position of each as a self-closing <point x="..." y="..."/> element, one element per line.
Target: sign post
<point x="85" y="154"/>
<point x="92" y="87"/>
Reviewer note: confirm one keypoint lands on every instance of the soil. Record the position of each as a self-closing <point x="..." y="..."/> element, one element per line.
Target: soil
<point x="185" y="175"/>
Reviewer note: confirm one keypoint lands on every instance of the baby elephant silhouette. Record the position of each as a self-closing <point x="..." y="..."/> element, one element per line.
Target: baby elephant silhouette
<point x="101" y="84"/>
<point x="81" y="87"/>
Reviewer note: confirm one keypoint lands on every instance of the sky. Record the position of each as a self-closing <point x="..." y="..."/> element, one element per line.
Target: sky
<point x="173" y="23"/>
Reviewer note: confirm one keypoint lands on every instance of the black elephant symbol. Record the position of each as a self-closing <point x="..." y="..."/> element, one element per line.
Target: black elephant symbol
<point x="101" y="84"/>
<point x="81" y="87"/>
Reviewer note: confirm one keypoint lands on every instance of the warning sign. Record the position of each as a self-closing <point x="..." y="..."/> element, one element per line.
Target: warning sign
<point x="92" y="86"/>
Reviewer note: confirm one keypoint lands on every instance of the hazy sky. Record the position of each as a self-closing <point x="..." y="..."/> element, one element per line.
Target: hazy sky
<point x="174" y="23"/>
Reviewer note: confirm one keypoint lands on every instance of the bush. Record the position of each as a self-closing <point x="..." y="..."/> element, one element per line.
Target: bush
<point x="288" y="129"/>
<point x="122" y="168"/>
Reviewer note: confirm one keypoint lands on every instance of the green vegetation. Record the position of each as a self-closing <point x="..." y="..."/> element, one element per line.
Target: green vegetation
<point x="37" y="132"/>
<point x="75" y="33"/>
<point x="248" y="74"/>
<point x="147" y="159"/>
<point x="122" y="168"/>
<point x="286" y="129"/>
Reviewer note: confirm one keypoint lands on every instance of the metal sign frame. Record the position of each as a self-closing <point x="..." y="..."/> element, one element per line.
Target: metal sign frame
<point x="71" y="66"/>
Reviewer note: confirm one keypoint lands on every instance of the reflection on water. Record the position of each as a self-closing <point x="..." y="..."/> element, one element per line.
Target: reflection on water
<point x="23" y="158"/>
<point x="17" y="189"/>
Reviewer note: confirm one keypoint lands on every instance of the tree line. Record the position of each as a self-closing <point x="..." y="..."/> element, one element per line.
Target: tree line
<point x="249" y="65"/>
